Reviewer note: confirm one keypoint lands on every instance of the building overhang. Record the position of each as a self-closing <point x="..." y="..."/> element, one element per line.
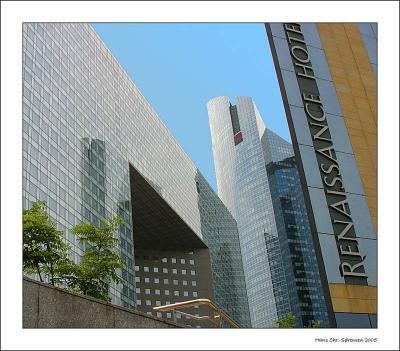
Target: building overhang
<point x="155" y="224"/>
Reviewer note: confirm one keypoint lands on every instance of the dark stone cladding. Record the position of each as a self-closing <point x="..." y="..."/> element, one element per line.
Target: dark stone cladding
<point x="45" y="306"/>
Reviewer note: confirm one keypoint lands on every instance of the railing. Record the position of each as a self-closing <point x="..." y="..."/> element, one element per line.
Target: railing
<point x="218" y="318"/>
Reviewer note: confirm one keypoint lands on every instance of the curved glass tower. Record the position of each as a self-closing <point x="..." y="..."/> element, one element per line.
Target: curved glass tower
<point x="258" y="181"/>
<point x="243" y="187"/>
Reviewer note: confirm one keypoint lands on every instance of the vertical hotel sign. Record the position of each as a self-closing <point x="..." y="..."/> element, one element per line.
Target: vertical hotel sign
<point x="351" y="259"/>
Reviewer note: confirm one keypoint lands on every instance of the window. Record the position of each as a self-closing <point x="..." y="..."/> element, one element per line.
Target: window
<point x="155" y="269"/>
<point x="156" y="280"/>
<point x="168" y="314"/>
<point x="146" y="269"/>
<point x="137" y="290"/>
<point x="173" y="260"/>
<point x="136" y="268"/>
<point x="185" y="293"/>
<point x="193" y="272"/>
<point x="174" y="271"/>
<point x="148" y="303"/>
<point x="138" y="302"/>
<point x="194" y="283"/>
<point x="159" y="314"/>
<point x="149" y="313"/>
<point x="194" y="293"/>
<point x="158" y="303"/>
<point x="165" y="270"/>
<point x="183" y="261"/>
<point x="137" y="279"/>
<point x="165" y="260"/>
<point x="183" y="271"/>
<point x="184" y="282"/>
<point x="147" y="280"/>
<point x="157" y="292"/>
<point x="166" y="281"/>
<point x="176" y="293"/>
<point x="147" y="291"/>
<point x="175" y="282"/>
<point x="191" y="261"/>
<point x="166" y="292"/>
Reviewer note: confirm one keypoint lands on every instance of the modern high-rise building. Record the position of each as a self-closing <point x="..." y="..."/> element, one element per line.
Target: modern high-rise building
<point x="93" y="147"/>
<point x="301" y="268"/>
<point x="257" y="180"/>
<point x="327" y="74"/>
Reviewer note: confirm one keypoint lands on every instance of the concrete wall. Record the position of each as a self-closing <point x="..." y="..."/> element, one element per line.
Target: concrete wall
<point x="45" y="306"/>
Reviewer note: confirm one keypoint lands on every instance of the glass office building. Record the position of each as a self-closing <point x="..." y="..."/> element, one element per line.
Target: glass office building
<point x="93" y="147"/>
<point x="243" y="186"/>
<point x="301" y="267"/>
<point x="327" y="74"/>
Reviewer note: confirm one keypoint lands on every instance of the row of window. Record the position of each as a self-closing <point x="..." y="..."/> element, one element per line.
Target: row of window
<point x="157" y="291"/>
<point x="165" y="270"/>
<point x="165" y="281"/>
<point x="173" y="260"/>
<point x="166" y="292"/>
<point x="168" y="315"/>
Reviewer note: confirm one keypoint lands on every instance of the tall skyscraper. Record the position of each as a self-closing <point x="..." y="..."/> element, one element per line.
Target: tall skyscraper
<point x="93" y="147"/>
<point x="301" y="268"/>
<point x="244" y="188"/>
<point x="258" y="181"/>
<point x="327" y="73"/>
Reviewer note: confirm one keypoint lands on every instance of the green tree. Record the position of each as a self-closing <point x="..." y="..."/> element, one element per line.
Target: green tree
<point x="288" y="321"/>
<point x="315" y="324"/>
<point x="44" y="250"/>
<point x="94" y="274"/>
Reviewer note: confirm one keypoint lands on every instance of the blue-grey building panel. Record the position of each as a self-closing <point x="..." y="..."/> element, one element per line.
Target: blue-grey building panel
<point x="368" y="248"/>
<point x="360" y="216"/>
<point x="301" y="125"/>
<point x="339" y="134"/>
<point x="331" y="258"/>
<point x="367" y="29"/>
<point x="311" y="35"/>
<point x="277" y="30"/>
<point x="292" y="88"/>
<point x="349" y="173"/>
<point x="352" y="320"/>
<point x="282" y="50"/>
<point x="320" y="208"/>
<point x="369" y="35"/>
<point x="319" y="63"/>
<point x="309" y="160"/>
<point x="329" y="98"/>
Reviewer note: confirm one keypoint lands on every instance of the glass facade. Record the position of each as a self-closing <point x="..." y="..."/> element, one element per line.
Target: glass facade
<point x="221" y="232"/>
<point x="244" y="188"/>
<point x="301" y="268"/>
<point x="84" y="123"/>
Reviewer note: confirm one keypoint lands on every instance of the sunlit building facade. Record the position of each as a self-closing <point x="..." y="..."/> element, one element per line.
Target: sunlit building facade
<point x="93" y="148"/>
<point x="327" y="73"/>
<point x="244" y="188"/>
<point x="258" y="181"/>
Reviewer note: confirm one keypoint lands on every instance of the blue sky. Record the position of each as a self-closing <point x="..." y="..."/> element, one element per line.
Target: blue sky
<point x="179" y="67"/>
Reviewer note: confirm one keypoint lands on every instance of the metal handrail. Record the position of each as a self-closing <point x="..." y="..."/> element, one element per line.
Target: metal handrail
<point x="219" y="314"/>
